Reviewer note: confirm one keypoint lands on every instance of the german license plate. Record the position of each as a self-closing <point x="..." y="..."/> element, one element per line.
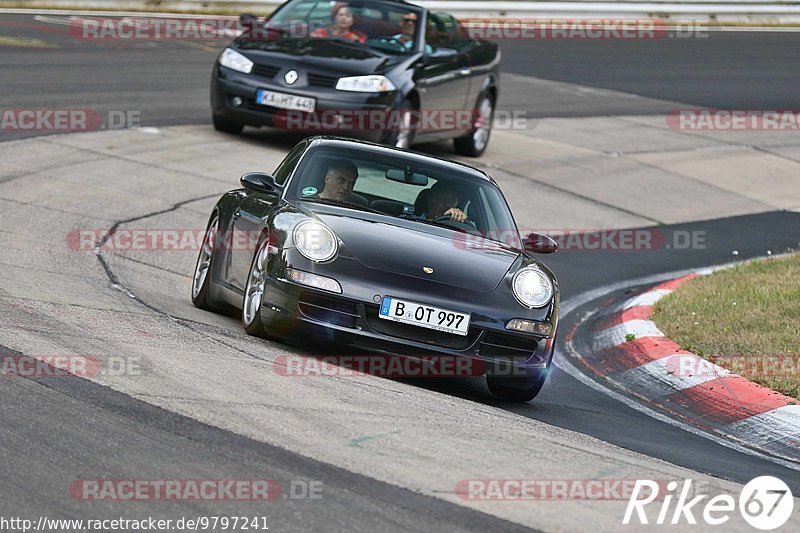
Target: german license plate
<point x="425" y="316"/>
<point x="285" y="101"/>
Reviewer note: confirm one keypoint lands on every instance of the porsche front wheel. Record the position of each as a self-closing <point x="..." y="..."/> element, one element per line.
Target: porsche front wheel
<point x="202" y="270"/>
<point x="516" y="389"/>
<point x="254" y="292"/>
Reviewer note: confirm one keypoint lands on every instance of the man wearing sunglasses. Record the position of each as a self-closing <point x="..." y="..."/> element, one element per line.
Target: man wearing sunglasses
<point x="408" y="25"/>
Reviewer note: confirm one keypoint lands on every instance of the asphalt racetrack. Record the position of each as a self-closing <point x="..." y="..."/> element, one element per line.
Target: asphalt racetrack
<point x="387" y="452"/>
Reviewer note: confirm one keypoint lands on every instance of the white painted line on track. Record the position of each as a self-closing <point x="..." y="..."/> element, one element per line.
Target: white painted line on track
<point x="784" y="417"/>
<point x="618" y="334"/>
<point x="648" y="298"/>
<point x="660" y="376"/>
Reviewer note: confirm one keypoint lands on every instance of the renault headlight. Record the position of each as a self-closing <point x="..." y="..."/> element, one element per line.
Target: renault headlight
<point x="366" y="84"/>
<point x="315" y="241"/>
<point x="236" y="61"/>
<point x="532" y="287"/>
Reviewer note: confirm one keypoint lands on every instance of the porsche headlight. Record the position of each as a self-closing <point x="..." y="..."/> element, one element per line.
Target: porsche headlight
<point x="315" y="241"/>
<point x="366" y="84"/>
<point x="236" y="61"/>
<point x="532" y="287"/>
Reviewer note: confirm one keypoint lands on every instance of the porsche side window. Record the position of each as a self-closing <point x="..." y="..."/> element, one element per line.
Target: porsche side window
<point x="287" y="165"/>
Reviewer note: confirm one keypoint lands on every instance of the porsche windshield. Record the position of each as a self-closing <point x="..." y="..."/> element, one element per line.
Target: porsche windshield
<point x="384" y="26"/>
<point x="424" y="191"/>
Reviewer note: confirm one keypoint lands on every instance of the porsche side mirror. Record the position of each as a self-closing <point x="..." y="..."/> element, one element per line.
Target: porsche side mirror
<point x="260" y="182"/>
<point x="440" y="55"/>
<point x="540" y="243"/>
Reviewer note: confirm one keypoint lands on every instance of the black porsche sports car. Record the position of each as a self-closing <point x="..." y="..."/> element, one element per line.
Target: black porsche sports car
<point x="363" y="68"/>
<point x="354" y="243"/>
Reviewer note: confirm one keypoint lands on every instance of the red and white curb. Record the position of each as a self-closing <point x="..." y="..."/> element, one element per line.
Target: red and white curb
<point x="629" y="350"/>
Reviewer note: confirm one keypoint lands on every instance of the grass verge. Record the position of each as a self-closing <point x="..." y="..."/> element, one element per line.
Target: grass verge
<point x="745" y="319"/>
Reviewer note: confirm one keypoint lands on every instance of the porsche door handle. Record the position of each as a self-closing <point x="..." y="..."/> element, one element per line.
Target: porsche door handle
<point x="465" y="71"/>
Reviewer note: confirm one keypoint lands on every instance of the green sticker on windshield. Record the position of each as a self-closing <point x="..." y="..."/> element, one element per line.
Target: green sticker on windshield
<point x="308" y="191"/>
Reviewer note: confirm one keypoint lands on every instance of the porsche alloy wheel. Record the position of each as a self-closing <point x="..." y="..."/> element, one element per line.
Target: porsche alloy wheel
<point x="201" y="279"/>
<point x="254" y="291"/>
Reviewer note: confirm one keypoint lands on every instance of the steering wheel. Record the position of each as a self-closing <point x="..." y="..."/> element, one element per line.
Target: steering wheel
<point x="467" y="225"/>
<point x="390" y="41"/>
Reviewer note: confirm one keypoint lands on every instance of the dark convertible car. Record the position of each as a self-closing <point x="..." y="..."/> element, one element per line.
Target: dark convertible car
<point x="354" y="243"/>
<point x="385" y="71"/>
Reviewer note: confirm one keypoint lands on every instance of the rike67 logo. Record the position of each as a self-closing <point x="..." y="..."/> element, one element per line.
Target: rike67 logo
<point x="765" y="503"/>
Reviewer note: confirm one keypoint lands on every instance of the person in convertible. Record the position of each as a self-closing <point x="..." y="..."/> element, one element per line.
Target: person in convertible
<point x="341" y="26"/>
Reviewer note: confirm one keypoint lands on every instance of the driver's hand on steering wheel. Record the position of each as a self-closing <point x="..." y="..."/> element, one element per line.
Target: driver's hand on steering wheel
<point x="456" y="214"/>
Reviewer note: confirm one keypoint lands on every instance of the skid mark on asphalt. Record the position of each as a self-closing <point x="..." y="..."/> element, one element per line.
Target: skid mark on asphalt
<point x="117" y="285"/>
<point x="356" y="443"/>
<point x="114" y="227"/>
<point x="150" y="265"/>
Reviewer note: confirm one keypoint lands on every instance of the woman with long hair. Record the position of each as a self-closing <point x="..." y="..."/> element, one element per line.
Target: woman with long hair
<point x="341" y="26"/>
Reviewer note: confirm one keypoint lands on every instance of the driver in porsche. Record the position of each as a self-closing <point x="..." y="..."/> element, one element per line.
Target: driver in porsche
<point x="442" y="200"/>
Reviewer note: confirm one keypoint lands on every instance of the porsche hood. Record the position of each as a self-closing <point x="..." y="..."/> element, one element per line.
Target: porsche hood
<point x="405" y="251"/>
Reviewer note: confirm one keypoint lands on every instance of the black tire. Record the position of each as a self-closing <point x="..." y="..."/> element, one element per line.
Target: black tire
<point x="513" y="388"/>
<point x="200" y="297"/>
<point x="474" y="144"/>
<point x="255" y="327"/>
<point x="227" y="126"/>
<point x="395" y="137"/>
